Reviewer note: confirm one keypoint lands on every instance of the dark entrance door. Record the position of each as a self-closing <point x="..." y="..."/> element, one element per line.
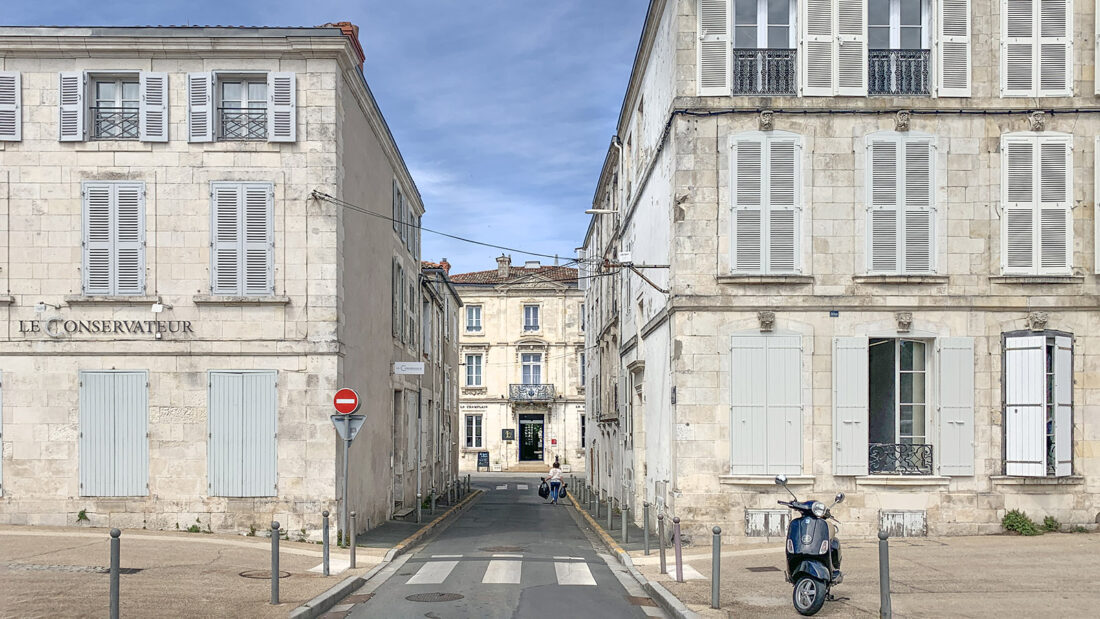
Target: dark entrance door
<point x="530" y="439"/>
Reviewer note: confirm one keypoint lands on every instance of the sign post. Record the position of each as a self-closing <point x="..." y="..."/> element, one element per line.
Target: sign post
<point x="346" y="402"/>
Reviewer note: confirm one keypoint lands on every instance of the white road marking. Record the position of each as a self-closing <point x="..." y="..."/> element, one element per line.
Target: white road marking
<point x="504" y="487"/>
<point x="690" y="573"/>
<point x="503" y="571"/>
<point x="335" y="566"/>
<point x="570" y="573"/>
<point x="433" y="573"/>
<point x="446" y="556"/>
<point x="569" y="558"/>
<point x="521" y="486"/>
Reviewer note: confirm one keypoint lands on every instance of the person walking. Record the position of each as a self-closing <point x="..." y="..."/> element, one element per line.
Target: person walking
<point x="555" y="482"/>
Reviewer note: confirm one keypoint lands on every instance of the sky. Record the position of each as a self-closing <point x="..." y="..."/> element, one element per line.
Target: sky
<point x="503" y="109"/>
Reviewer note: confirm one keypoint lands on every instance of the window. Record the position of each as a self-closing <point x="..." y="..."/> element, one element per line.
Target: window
<point x="583" y="317"/>
<point x="399" y="293"/>
<point x="766" y="405"/>
<point x="114" y="238"/>
<point x="412" y="305"/>
<point x="11" y="100"/>
<point x="583" y="370"/>
<point x="1037" y="190"/>
<point x="113" y="106"/>
<point x="530" y="318"/>
<point x="241" y="106"/>
<point x="763" y="24"/>
<point x="532" y="368"/>
<point x="395" y="298"/>
<point x="767" y="202"/>
<point x="584" y="430"/>
<point x="473" y="431"/>
<point x="114" y="443"/>
<point x="1036" y="48"/>
<point x="898" y="397"/>
<point x="900" y="203"/>
<point x="242" y="113"/>
<point x="396" y="207"/>
<point x="473" y="318"/>
<point x="899" y="42"/>
<point x="473" y="370"/>
<point x="1038" y="417"/>
<point x="242" y="454"/>
<point x="242" y="237"/>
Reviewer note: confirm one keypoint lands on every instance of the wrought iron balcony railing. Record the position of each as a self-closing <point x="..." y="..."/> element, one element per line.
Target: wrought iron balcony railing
<point x="114" y="123"/>
<point x="899" y="71"/>
<point x="764" y="72"/>
<point x="531" y="393"/>
<point x="243" y="123"/>
<point x="899" y="459"/>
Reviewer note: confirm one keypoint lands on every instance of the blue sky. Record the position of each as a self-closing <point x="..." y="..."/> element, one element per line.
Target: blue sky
<point x="503" y="109"/>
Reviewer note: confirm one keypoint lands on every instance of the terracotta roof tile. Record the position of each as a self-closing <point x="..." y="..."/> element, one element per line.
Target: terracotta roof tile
<point x="564" y="275"/>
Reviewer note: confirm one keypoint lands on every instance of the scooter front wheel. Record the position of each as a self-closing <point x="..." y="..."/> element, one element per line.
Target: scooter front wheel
<point x="809" y="595"/>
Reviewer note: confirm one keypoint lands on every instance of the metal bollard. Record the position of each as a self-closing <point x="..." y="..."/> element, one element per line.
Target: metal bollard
<point x="884" y="611"/>
<point x="677" y="549"/>
<point x="432" y="498"/>
<point x="467" y="483"/>
<point x="626" y="522"/>
<point x="715" y="566"/>
<point x="352" y="533"/>
<point x="610" y="509"/>
<point x="324" y="543"/>
<point x="599" y="504"/>
<point x="274" y="562"/>
<point x="419" y="503"/>
<point x="661" y="540"/>
<point x="116" y="552"/>
<point x="645" y="526"/>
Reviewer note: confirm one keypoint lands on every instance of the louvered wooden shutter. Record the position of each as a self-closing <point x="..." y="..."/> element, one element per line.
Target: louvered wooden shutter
<point x="200" y="107"/>
<point x="395" y="288"/>
<point x="850" y="402"/>
<point x="153" y="113"/>
<point x="129" y="239"/>
<point x="11" y="115"/>
<point x="281" y="116"/>
<point x="1018" y="182"/>
<point x="114" y="439"/>
<point x="747" y="155"/>
<point x="71" y="106"/>
<point x="818" y="48"/>
<point x="956" y="406"/>
<point x="1025" y="420"/>
<point x="226" y="243"/>
<point x="396" y="206"/>
<point x="748" y="405"/>
<point x="1055" y="48"/>
<point x="918" y="190"/>
<point x="953" y="45"/>
<point x="1018" y="62"/>
<point x="1063" y="405"/>
<point x="851" y="54"/>
<point x="783" y="188"/>
<point x="243" y="421"/>
<point x="882" y="155"/>
<point x="1055" y="195"/>
<point x="258" y="240"/>
<point x="97" y="239"/>
<point x="714" y="47"/>
<point x="1096" y="200"/>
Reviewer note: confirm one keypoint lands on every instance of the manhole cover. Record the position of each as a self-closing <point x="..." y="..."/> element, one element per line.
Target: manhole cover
<point x="433" y="597"/>
<point x="763" y="568"/>
<point x="79" y="569"/>
<point x="502" y="549"/>
<point x="263" y="574"/>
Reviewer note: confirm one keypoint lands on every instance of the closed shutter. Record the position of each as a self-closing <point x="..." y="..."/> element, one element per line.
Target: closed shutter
<point x="11" y="114"/>
<point x="396" y="206"/>
<point x="748" y="400"/>
<point x="919" y="256"/>
<point x="1063" y="405"/>
<point x="714" y="48"/>
<point x="200" y="107"/>
<point x="747" y="155"/>
<point x="1055" y="216"/>
<point x="783" y="185"/>
<point x="114" y="443"/>
<point x="226" y="244"/>
<point x="395" y="290"/>
<point x="1" y="439"/>
<point x="953" y="46"/>
<point x="1018" y="183"/>
<point x="1096" y="198"/>
<point x="258" y="239"/>
<point x="71" y="106"/>
<point x="851" y="54"/>
<point x="784" y="398"/>
<point x="882" y="155"/>
<point x="1055" y="48"/>
<point x="850" y="393"/>
<point x="1025" y="427"/>
<point x="956" y="406"/>
<point x="129" y="244"/>
<point x="818" y="48"/>
<point x="153" y="113"/>
<point x="282" y="101"/>
<point x="98" y="239"/>
<point x="1018" y="48"/>
<point x="243" y="423"/>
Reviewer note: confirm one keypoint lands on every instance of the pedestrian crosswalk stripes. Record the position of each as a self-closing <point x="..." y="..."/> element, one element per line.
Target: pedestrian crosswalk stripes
<point x="521" y="487"/>
<point x="433" y="573"/>
<point x="503" y="569"/>
<point x="502" y="487"/>
<point x="572" y="573"/>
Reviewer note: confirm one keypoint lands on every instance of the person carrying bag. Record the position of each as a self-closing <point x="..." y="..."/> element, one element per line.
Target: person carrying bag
<point x="555" y="482"/>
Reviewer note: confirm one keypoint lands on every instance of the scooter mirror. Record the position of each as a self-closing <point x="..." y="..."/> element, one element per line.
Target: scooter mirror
<point x="840" y="497"/>
<point x="781" y="480"/>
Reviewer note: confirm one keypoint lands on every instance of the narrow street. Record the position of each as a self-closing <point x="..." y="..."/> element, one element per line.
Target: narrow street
<point x="510" y="555"/>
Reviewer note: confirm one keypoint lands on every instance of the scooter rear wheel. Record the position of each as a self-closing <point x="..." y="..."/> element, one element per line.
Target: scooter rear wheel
<point x="809" y="595"/>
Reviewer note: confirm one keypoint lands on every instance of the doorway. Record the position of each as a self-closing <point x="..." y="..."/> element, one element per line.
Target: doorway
<point x="530" y="441"/>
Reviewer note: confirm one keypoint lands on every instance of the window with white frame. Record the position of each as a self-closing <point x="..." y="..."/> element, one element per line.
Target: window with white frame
<point x="1036" y="48"/>
<point x="1038" y="392"/>
<point x="531" y="368"/>
<point x="1037" y="194"/>
<point x="115" y="103"/>
<point x="766" y="196"/>
<point x="114" y="238"/>
<point x="396" y="207"/>
<point x="530" y="317"/>
<point x="245" y="105"/>
<point x="898" y="24"/>
<point x="242" y="239"/>
<point x="900" y="203"/>
<point x="473" y="431"/>
<point x="766" y="405"/>
<point x="473" y="318"/>
<point x="473" y="370"/>
<point x="122" y="105"/>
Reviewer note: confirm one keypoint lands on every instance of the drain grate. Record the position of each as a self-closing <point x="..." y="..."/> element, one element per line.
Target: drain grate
<point x="763" y="568"/>
<point x="78" y="569"/>
<point x="263" y="574"/>
<point x="638" y="600"/>
<point x="502" y="549"/>
<point x="433" y="597"/>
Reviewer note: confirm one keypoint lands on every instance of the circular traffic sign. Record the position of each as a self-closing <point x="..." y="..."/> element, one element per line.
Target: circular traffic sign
<point x="346" y="401"/>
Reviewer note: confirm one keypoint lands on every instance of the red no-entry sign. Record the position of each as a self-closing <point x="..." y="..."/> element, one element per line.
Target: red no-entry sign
<point x="346" y="401"/>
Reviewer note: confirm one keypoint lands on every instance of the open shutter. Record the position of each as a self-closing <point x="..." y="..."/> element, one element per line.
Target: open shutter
<point x="11" y="116"/>
<point x="281" y="117"/>
<point x="851" y="53"/>
<point x="395" y="288"/>
<point x="784" y="402"/>
<point x="783" y="205"/>
<point x="918" y="191"/>
<point x="748" y="398"/>
<point x="850" y="404"/>
<point x="258" y="240"/>
<point x="1025" y="426"/>
<point x="953" y="45"/>
<point x="226" y="242"/>
<point x="97" y="239"/>
<point x="396" y="206"/>
<point x="883" y="233"/>
<point x="200" y="107"/>
<point x="818" y="48"/>
<point x="71" y="106"/>
<point x="1018" y="48"/>
<point x="1055" y="216"/>
<point x="129" y="239"/>
<point x="714" y="48"/>
<point x="153" y="113"/>
<point x="1018" y="183"/>
<point x="747" y="157"/>
<point x="1063" y="405"/>
<point x="1055" y="48"/>
<point x="956" y="406"/>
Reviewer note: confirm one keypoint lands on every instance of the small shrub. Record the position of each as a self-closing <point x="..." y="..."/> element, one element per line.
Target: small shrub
<point x="1078" y="529"/>
<point x="1018" y="522"/>
<point x="177" y="526"/>
<point x="1050" y="523"/>
<point x="194" y="529"/>
<point x="252" y="530"/>
<point x="82" y="516"/>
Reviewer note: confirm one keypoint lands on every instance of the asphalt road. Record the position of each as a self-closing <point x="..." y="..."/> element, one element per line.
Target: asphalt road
<point x="510" y="555"/>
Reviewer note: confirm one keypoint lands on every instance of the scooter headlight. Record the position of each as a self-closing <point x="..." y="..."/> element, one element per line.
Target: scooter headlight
<point x="824" y="547"/>
<point x="818" y="508"/>
<point x="790" y="546"/>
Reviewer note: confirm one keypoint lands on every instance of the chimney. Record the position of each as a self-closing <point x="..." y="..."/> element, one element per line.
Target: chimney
<point x="446" y="266"/>
<point x="504" y="266"/>
<point x="351" y="31"/>
<point x="532" y="264"/>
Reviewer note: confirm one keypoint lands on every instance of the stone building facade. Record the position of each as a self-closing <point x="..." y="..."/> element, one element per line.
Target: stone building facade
<point x="879" y="237"/>
<point x="189" y="275"/>
<point x="521" y="347"/>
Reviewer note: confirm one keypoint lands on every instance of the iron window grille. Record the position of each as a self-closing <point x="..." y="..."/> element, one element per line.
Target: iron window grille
<point x="899" y="71"/>
<point x="764" y="72"/>
<point x="531" y="393"/>
<point x="899" y="459"/>
<point x="239" y="123"/>
<point x="114" y="123"/>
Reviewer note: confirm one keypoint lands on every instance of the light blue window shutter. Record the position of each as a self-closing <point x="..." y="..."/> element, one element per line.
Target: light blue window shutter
<point x="747" y="196"/>
<point x="129" y="246"/>
<point x="281" y="116"/>
<point x="11" y="113"/>
<point x="784" y="205"/>
<point x="242" y="451"/>
<point x="200" y="107"/>
<point x="153" y="110"/>
<point x="748" y="405"/>
<point x="1063" y="406"/>
<point x="131" y="433"/>
<point x="1025" y="420"/>
<point x="1" y="438"/>
<point x="956" y="406"/>
<point x="259" y="240"/>
<point x="882" y="231"/>
<point x="225" y="242"/>
<point x="784" y="396"/>
<point x="70" y="106"/>
<point x="919" y="192"/>
<point x="114" y="444"/>
<point x="396" y="206"/>
<point x="98" y="241"/>
<point x="850" y="405"/>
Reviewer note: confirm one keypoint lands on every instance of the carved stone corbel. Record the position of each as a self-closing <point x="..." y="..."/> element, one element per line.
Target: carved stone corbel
<point x="1037" y="321"/>
<point x="767" y="321"/>
<point x="905" y="321"/>
<point x="767" y="120"/>
<point x="1037" y="121"/>
<point x="901" y="120"/>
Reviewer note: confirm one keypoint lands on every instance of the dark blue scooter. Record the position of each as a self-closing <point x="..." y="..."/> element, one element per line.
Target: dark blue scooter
<point x="813" y="552"/>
